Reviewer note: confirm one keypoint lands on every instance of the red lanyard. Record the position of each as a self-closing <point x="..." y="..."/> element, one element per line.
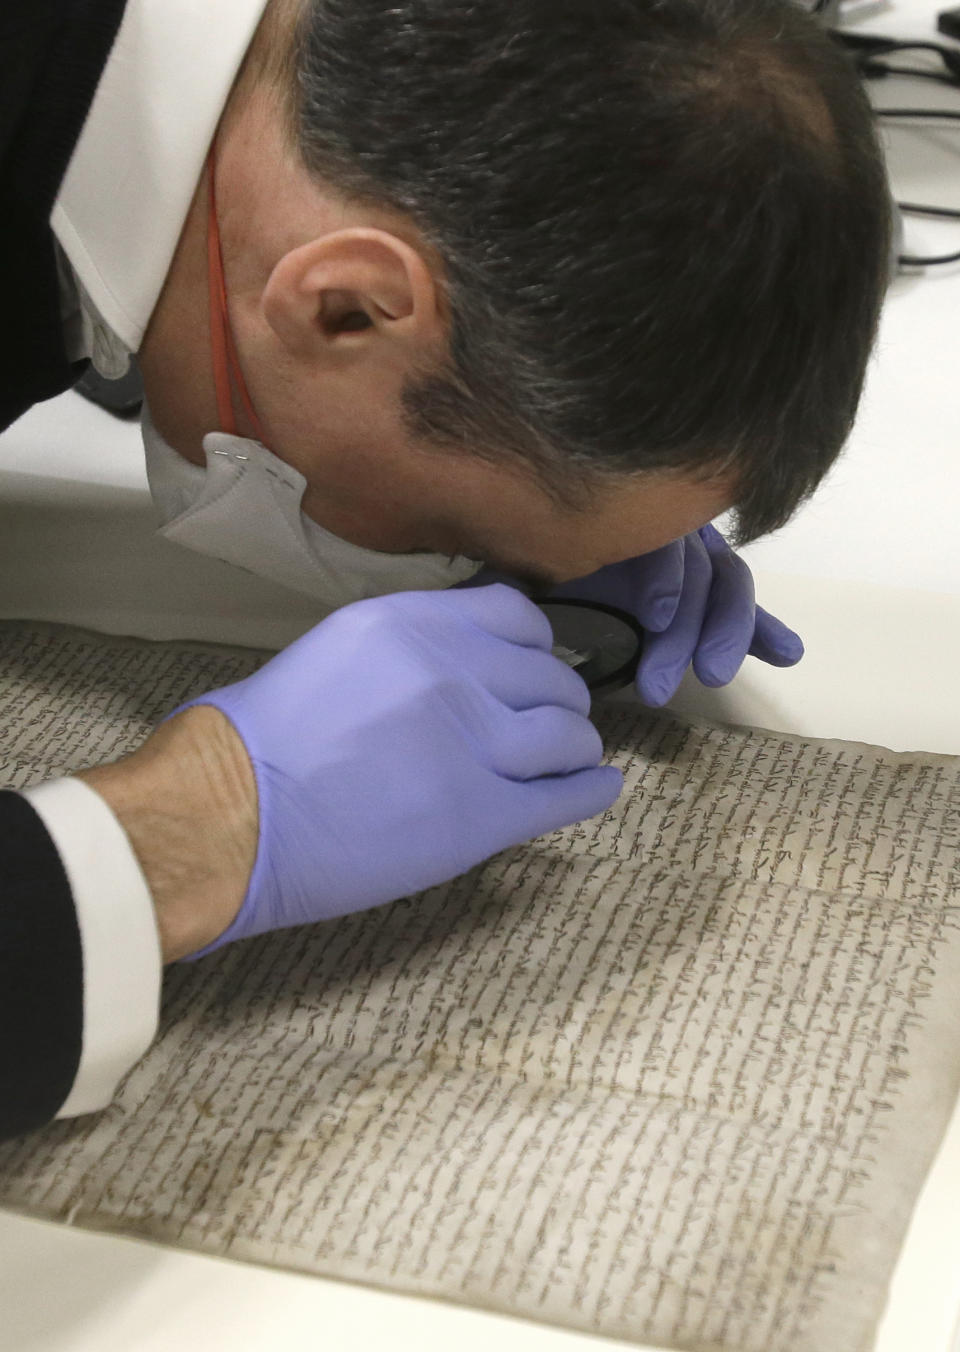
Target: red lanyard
<point x="227" y="373"/>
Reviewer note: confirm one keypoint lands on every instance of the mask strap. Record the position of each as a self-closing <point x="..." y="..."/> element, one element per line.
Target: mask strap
<point x="227" y="371"/>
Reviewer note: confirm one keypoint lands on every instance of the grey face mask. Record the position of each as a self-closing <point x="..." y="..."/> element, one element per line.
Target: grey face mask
<point x="244" y="508"/>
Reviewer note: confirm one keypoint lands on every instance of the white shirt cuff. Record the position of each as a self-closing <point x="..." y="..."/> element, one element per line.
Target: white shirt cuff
<point x="122" y="963"/>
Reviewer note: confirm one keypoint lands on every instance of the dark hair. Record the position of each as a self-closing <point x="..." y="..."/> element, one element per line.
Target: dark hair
<point x="664" y="226"/>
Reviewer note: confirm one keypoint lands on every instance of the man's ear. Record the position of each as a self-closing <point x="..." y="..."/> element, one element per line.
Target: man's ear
<point x="331" y="299"/>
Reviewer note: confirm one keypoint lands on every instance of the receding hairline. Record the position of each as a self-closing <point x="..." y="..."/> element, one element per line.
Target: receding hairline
<point x="755" y="74"/>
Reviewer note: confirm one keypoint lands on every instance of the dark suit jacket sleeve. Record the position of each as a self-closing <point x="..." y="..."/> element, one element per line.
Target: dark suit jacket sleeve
<point x="41" y="973"/>
<point x="52" y="54"/>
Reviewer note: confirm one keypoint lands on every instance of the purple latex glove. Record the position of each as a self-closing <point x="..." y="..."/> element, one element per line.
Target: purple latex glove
<point x="402" y="741"/>
<point x="695" y="599"/>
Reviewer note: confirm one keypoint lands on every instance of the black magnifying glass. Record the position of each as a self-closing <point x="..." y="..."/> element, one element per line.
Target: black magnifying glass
<point x="602" y="643"/>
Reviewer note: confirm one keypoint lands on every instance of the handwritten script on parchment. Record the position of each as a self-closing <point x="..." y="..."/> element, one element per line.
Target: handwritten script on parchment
<point x="674" y="1075"/>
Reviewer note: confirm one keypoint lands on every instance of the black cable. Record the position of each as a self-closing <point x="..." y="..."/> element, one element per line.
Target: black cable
<point x="922" y="209"/>
<point x="873" y="45"/>
<point x="871" y="70"/>
<point x="917" y="209"/>
<point x="864" y="48"/>
<point x="912" y="208"/>
<point x="908" y="261"/>
<point x="947" y="113"/>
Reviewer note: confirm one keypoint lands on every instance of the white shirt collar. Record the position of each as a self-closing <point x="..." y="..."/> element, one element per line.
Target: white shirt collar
<point x="135" y="169"/>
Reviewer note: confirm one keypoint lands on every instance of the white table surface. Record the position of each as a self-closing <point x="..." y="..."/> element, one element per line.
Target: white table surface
<point x="869" y="573"/>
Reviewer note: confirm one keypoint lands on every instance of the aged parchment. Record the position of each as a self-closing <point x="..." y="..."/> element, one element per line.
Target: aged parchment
<point x="674" y="1075"/>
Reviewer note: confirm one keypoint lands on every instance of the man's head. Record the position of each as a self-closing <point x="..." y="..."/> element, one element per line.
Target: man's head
<point x="538" y="279"/>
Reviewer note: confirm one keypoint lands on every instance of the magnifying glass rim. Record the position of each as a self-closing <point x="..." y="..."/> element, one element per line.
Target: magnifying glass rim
<point x="624" y="674"/>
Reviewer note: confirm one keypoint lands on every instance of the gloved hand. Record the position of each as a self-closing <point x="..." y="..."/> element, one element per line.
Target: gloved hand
<point x="695" y="599"/>
<point x="402" y="741"/>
